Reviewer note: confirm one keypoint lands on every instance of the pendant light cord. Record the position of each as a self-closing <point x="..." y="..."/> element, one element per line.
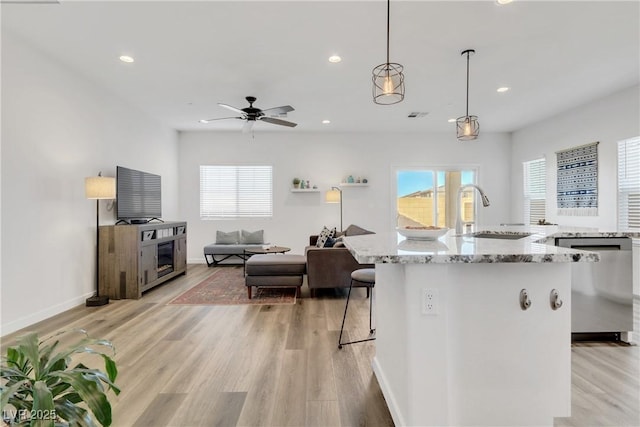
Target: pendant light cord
<point x="388" y="27"/>
<point x="468" y="84"/>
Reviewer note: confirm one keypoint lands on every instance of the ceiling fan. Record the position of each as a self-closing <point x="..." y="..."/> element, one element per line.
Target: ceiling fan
<point x="251" y="114"/>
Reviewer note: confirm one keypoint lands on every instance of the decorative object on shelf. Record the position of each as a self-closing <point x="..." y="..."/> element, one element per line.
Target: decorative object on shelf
<point x="99" y="188"/>
<point x="468" y="127"/>
<point x="388" y="80"/>
<point x="315" y="187"/>
<point x="302" y="185"/>
<point x="577" y="193"/>
<point x="335" y="196"/>
<point x="296" y="182"/>
<point x="350" y="179"/>
<point x="39" y="383"/>
<point x="365" y="181"/>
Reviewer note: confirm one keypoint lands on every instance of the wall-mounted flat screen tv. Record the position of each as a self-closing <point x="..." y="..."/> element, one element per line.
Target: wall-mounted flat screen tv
<point x="138" y="195"/>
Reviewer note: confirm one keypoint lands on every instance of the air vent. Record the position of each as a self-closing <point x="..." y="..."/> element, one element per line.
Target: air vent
<point x="417" y="114"/>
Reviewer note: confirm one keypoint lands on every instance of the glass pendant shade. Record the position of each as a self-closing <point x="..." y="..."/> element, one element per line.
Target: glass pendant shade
<point x="468" y="128"/>
<point x="388" y="84"/>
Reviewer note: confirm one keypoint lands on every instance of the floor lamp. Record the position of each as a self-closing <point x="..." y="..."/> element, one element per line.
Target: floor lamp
<point x="335" y="196"/>
<point x="99" y="188"/>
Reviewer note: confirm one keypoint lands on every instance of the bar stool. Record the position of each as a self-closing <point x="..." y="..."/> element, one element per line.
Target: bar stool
<point x="364" y="277"/>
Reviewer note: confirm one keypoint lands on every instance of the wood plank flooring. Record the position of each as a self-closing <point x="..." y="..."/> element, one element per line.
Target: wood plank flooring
<point x="279" y="365"/>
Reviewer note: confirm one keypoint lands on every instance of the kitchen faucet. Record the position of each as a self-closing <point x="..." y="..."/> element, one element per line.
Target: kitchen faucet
<point x="485" y="203"/>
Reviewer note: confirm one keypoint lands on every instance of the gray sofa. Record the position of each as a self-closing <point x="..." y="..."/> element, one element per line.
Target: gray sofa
<point x="232" y="245"/>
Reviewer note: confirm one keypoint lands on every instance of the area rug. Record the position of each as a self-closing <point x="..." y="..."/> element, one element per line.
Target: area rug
<point x="225" y="286"/>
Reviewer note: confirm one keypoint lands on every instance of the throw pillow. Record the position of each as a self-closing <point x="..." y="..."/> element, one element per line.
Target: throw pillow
<point x="230" y="238"/>
<point x="252" y="238"/>
<point x="324" y="235"/>
<point x="330" y="242"/>
<point x="354" y="230"/>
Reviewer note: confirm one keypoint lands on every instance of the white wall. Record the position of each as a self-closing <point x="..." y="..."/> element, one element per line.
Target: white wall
<point x="325" y="159"/>
<point x="607" y="120"/>
<point x="58" y="128"/>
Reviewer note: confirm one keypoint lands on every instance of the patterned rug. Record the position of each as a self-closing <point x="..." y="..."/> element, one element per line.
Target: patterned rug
<point x="225" y="286"/>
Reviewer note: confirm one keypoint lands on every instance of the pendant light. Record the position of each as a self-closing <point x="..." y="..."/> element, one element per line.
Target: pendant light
<point x="468" y="127"/>
<point x="388" y="80"/>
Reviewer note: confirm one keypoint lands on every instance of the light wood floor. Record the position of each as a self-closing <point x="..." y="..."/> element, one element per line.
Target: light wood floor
<point x="280" y="366"/>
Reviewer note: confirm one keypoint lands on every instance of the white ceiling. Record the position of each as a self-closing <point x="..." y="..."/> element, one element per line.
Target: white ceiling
<point x="555" y="55"/>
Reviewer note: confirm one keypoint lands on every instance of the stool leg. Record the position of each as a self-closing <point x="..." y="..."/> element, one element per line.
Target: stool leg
<point x="371" y="330"/>
<point x="345" y="315"/>
<point x="249" y="292"/>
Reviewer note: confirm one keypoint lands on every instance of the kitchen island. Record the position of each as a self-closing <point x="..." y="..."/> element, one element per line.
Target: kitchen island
<point x="473" y="331"/>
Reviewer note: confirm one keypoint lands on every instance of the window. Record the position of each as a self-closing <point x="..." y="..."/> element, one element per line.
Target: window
<point x="428" y="197"/>
<point x="629" y="184"/>
<point x="236" y="192"/>
<point x="535" y="198"/>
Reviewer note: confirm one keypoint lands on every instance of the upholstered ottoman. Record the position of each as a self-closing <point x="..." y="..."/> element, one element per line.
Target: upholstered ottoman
<point x="275" y="270"/>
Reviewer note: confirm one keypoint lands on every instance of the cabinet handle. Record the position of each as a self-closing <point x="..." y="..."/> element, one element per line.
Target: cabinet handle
<point x="525" y="302"/>
<point x="554" y="299"/>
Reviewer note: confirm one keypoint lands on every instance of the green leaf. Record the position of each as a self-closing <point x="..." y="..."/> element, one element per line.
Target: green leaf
<point x="28" y="347"/>
<point x="42" y="414"/>
<point x="8" y="392"/>
<point x="88" y="390"/>
<point x="75" y="415"/>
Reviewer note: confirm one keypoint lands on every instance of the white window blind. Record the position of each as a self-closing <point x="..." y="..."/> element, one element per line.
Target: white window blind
<point x="629" y="184"/>
<point x="535" y="193"/>
<point x="236" y="192"/>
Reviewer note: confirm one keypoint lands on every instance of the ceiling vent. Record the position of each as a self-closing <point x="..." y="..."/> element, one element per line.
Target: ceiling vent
<point x="417" y="114"/>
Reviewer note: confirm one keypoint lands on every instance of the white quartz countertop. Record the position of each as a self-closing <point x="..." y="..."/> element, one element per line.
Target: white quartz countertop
<point x="391" y="247"/>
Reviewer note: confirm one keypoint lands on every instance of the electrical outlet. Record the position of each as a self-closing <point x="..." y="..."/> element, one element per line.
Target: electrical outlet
<point x="430" y="301"/>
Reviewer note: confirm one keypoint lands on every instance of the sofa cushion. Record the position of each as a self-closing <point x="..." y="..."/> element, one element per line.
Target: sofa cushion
<point x="252" y="237"/>
<point x="227" y="238"/>
<point x="324" y="235"/>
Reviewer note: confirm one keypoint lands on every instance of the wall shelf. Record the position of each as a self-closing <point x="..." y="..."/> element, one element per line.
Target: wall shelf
<point x="304" y="190"/>
<point x="354" y="184"/>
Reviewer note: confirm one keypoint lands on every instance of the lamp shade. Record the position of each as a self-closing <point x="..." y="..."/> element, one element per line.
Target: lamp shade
<point x="100" y="187"/>
<point x="332" y="196"/>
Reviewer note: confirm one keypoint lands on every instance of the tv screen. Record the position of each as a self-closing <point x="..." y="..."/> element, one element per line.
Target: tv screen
<point x="138" y="194"/>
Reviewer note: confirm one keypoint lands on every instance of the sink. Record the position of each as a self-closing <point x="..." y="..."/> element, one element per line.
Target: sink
<point x="498" y="235"/>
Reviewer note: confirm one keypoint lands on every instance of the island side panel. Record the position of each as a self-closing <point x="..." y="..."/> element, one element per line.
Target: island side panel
<point x="481" y="360"/>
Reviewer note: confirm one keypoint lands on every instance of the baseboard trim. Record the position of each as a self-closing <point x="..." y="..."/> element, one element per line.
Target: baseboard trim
<point x="392" y="404"/>
<point x="26" y="321"/>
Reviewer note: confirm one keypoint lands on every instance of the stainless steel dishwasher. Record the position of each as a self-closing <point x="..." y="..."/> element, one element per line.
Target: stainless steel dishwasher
<point x="602" y="292"/>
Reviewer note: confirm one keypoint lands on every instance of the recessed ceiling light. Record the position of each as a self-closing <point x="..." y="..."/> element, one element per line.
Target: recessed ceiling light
<point x="451" y="120"/>
<point x="126" y="58"/>
<point x="502" y="89"/>
<point x="335" y="58"/>
<point x="203" y="121"/>
<point x="326" y="122"/>
<point x="501" y="2"/>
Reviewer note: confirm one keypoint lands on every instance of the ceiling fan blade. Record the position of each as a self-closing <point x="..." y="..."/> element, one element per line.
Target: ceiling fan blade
<point x="278" y="110"/>
<point x="232" y="108"/>
<point x="221" y="118"/>
<point x="248" y="126"/>
<point x="278" y="122"/>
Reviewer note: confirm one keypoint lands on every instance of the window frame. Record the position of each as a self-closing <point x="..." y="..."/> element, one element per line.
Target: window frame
<point x="628" y="163"/>
<point x="435" y="170"/>
<point x="236" y="202"/>
<point x="527" y="167"/>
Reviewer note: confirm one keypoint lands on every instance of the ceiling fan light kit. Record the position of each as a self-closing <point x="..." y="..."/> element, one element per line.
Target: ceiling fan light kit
<point x="467" y="127"/>
<point x="388" y="80"/>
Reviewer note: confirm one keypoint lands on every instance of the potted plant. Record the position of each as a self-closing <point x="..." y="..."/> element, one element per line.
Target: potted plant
<point x="40" y="388"/>
<point x="296" y="182"/>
